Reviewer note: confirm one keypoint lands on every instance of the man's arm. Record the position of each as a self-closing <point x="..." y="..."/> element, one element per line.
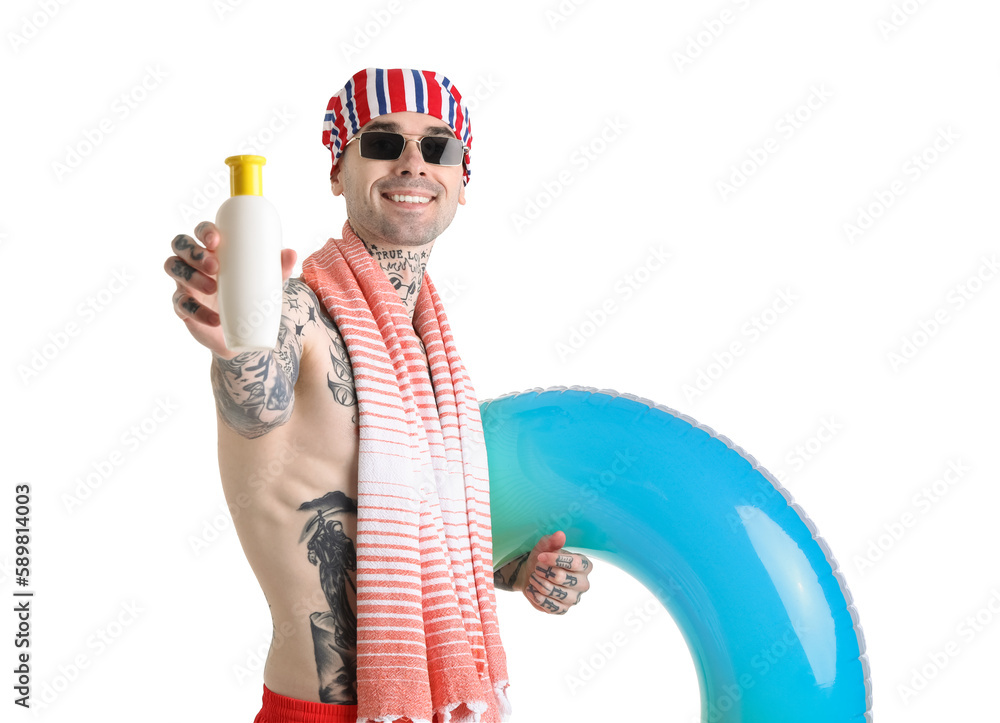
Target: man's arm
<point x="255" y="390"/>
<point x="510" y="577"/>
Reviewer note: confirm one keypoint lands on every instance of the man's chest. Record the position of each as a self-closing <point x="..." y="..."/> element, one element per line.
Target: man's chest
<point x="326" y="375"/>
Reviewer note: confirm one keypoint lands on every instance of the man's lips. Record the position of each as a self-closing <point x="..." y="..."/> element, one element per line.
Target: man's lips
<point x="414" y="199"/>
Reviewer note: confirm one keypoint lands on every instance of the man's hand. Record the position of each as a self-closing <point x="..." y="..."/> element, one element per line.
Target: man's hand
<point x="194" y="267"/>
<point x="557" y="578"/>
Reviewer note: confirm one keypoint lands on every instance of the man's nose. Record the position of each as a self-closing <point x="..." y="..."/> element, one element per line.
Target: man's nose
<point x="412" y="158"/>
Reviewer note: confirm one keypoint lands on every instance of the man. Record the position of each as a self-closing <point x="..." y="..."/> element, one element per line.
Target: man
<point x="349" y="518"/>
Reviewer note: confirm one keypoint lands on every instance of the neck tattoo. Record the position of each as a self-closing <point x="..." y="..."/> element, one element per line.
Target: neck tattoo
<point x="405" y="269"/>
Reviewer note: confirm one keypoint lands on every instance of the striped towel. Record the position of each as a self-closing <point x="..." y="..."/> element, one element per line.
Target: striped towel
<point x="428" y="635"/>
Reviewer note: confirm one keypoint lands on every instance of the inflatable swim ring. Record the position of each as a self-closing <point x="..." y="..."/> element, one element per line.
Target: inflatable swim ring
<point x="753" y="588"/>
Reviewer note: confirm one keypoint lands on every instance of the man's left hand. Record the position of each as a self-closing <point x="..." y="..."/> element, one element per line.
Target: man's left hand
<point x="557" y="577"/>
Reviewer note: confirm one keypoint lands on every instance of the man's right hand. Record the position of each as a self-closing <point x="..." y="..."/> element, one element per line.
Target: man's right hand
<point x="194" y="268"/>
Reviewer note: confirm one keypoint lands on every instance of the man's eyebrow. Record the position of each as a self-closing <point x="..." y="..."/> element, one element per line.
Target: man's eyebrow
<point x="383" y="126"/>
<point x="377" y="125"/>
<point x="438" y="131"/>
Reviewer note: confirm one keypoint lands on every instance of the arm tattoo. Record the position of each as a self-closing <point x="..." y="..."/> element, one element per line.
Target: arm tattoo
<point x="342" y="382"/>
<point x="254" y="390"/>
<point x="506" y="577"/>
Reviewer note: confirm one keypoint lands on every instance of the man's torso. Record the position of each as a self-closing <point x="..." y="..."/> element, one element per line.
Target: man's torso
<point x="304" y="559"/>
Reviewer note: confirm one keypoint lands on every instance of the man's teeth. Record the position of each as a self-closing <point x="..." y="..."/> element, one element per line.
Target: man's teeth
<point x="409" y="199"/>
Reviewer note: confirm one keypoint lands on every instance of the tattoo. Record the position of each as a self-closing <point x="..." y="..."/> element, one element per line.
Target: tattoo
<point x="557" y="591"/>
<point x="547" y="571"/>
<point x="289" y="350"/>
<point x="507" y="582"/>
<point x="191" y="305"/>
<point x="400" y="264"/>
<point x="343" y="393"/>
<point x="570" y="581"/>
<point x="549" y="605"/>
<point x="411" y="289"/>
<point x="182" y="269"/>
<point x="254" y="391"/>
<point x="398" y="259"/>
<point x="565" y="561"/>
<point x="334" y="631"/>
<point x="342" y="387"/>
<point x="182" y="243"/>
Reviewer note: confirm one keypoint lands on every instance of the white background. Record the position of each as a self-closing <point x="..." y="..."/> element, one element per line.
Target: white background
<point x="255" y="76"/>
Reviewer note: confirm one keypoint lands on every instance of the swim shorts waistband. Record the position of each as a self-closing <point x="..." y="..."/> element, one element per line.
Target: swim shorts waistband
<point x="279" y="708"/>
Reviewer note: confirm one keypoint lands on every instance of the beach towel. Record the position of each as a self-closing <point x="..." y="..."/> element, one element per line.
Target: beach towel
<point x="428" y="636"/>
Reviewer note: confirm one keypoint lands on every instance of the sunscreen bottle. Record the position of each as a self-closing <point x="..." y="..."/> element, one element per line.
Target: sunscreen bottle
<point x="250" y="286"/>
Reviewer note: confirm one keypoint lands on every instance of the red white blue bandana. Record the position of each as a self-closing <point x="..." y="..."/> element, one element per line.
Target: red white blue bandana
<point x="376" y="91"/>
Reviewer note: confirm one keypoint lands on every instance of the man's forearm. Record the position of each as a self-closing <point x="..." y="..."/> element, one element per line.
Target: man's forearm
<point x="252" y="391"/>
<point x="509" y="577"/>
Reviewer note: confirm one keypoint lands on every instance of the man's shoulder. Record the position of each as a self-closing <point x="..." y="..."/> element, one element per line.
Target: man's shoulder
<point x="308" y="314"/>
<point x="297" y="290"/>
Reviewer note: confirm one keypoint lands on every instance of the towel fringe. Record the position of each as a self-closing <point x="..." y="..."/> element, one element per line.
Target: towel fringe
<point x="503" y="702"/>
<point x="477" y="708"/>
<point x="444" y="712"/>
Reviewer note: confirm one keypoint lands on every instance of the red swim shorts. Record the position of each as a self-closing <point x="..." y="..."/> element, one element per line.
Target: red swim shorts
<point x="282" y="709"/>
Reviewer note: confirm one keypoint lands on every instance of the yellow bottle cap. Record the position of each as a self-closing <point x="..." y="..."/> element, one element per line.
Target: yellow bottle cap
<point x="245" y="175"/>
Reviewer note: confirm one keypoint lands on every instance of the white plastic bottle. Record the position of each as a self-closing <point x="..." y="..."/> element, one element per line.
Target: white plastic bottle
<point x="250" y="286"/>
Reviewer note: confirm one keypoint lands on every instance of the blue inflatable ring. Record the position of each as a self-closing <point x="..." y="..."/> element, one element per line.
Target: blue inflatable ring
<point x="753" y="588"/>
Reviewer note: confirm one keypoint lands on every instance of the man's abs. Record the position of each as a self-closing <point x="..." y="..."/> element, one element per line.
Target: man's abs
<point x="293" y="492"/>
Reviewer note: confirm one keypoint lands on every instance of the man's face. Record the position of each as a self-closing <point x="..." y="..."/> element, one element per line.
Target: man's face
<point x="369" y="186"/>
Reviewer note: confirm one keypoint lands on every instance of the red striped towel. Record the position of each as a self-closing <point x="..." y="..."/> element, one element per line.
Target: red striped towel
<point x="428" y="635"/>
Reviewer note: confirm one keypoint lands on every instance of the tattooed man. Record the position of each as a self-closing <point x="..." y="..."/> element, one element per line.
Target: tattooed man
<point x="288" y="417"/>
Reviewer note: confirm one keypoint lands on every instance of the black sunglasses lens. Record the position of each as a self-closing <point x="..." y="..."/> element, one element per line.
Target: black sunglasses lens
<point x="385" y="146"/>
<point x="442" y="151"/>
<point x="380" y="146"/>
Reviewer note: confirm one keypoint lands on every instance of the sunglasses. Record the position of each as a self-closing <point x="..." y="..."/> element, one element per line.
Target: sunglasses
<point x="385" y="146"/>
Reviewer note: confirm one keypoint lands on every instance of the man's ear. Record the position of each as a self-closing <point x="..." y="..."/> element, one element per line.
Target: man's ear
<point x="335" y="185"/>
<point x="461" y="194"/>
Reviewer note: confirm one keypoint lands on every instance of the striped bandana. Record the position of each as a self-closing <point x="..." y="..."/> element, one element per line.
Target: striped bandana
<point x="375" y="91"/>
<point x="428" y="637"/>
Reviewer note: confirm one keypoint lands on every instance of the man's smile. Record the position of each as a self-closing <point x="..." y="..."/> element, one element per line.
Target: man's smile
<point x="408" y="199"/>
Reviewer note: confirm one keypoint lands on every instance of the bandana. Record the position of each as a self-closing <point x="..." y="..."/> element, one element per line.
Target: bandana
<point x="375" y="91"/>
